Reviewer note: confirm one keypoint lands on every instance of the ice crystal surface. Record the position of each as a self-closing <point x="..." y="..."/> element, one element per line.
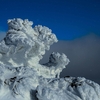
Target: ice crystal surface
<point x="23" y="78"/>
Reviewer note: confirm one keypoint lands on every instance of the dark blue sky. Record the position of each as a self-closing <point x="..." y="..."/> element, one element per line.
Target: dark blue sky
<point x="68" y="19"/>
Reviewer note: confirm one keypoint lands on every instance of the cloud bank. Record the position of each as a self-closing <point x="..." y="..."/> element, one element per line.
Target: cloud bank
<point x="84" y="56"/>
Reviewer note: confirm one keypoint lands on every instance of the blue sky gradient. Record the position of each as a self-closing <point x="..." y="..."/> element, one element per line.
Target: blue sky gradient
<point x="68" y="19"/>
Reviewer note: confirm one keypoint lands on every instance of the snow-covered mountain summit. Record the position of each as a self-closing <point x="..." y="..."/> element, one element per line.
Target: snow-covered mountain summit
<point x="23" y="78"/>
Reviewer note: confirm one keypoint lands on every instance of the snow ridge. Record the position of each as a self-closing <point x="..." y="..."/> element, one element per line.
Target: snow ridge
<point x="23" y="78"/>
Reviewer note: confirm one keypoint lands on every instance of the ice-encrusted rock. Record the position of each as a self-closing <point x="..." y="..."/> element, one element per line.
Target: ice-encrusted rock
<point x="23" y="78"/>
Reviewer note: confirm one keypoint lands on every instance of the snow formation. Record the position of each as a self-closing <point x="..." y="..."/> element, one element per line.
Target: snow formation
<point x="23" y="78"/>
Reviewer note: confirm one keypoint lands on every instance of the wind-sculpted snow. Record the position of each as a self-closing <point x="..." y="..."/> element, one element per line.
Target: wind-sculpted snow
<point x="25" y="42"/>
<point x="23" y="78"/>
<point x="69" y="88"/>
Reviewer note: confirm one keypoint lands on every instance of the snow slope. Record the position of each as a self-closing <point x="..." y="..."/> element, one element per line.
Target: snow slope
<point x="23" y="78"/>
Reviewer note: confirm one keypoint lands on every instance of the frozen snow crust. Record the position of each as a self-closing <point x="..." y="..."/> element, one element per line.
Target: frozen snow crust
<point x="23" y="78"/>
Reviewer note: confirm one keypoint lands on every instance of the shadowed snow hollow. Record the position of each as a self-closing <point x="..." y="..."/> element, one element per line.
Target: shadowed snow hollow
<point x="23" y="78"/>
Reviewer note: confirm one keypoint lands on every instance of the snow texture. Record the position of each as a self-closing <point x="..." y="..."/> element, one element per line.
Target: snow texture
<point x="23" y="78"/>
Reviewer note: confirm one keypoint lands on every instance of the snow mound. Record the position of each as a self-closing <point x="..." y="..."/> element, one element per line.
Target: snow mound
<point x="23" y="78"/>
<point x="69" y="88"/>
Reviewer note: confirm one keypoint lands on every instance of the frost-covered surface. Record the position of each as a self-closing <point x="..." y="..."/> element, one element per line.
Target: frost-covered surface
<point x="23" y="78"/>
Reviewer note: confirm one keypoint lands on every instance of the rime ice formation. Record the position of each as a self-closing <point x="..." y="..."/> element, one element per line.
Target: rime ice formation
<point x="23" y="78"/>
